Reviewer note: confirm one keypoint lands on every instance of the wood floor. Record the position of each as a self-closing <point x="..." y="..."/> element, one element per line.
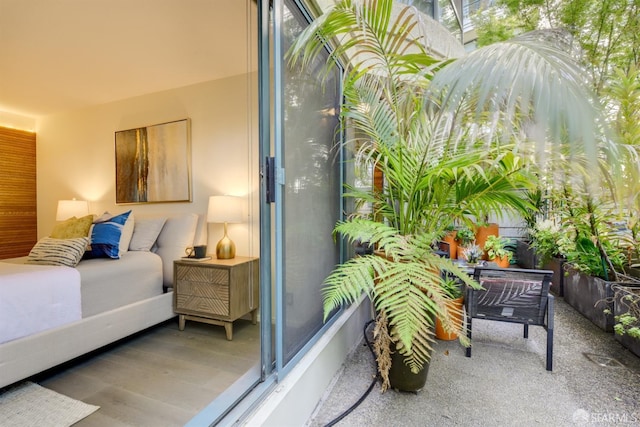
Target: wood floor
<point x="162" y="377"/>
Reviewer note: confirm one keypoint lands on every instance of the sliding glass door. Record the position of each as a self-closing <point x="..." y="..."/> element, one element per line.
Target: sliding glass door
<point x="308" y="170"/>
<point x="301" y="180"/>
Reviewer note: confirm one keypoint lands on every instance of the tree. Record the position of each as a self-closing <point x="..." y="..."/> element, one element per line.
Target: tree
<point x="607" y="32"/>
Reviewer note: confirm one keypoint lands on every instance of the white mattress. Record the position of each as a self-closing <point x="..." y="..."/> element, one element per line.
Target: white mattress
<point x="109" y="283"/>
<point x="35" y="298"/>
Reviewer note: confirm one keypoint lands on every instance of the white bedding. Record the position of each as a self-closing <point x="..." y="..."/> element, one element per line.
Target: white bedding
<point x="35" y="298"/>
<point x="108" y="283"/>
<point x="103" y="280"/>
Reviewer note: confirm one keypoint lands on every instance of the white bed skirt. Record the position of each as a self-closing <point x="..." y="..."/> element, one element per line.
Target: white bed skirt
<point x="30" y="355"/>
<point x="35" y="298"/>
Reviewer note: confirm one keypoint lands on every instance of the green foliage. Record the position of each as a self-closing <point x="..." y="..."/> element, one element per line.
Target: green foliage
<point x="453" y="140"/>
<point x="492" y="29"/>
<point x="550" y="240"/>
<point x="452" y="287"/>
<point x="472" y="253"/>
<point x="404" y="282"/>
<point x="628" y="323"/>
<point x="464" y="236"/>
<point x="623" y="94"/>
<point x="496" y="247"/>
<point x="624" y="91"/>
<point x="605" y="31"/>
<point x="597" y="250"/>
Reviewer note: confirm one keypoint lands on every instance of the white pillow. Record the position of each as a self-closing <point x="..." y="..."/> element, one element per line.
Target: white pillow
<point x="177" y="235"/>
<point x="145" y="233"/>
<point x="127" y="234"/>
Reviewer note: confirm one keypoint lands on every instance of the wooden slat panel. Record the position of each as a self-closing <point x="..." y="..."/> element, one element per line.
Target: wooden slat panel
<point x="18" y="209"/>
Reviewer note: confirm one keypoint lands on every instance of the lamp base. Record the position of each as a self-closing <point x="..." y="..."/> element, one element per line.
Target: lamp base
<point x="225" y="249"/>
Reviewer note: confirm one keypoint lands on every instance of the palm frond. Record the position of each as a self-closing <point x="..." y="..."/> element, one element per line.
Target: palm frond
<point x="533" y="87"/>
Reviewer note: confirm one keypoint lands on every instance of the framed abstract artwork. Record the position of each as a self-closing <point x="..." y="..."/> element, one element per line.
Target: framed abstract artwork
<point x="153" y="163"/>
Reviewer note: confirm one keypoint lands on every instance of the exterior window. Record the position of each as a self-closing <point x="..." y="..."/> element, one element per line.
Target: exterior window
<point x="450" y="19"/>
<point x="424" y="6"/>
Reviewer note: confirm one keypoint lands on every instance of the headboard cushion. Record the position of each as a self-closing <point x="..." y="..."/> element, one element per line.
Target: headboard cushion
<point x="177" y="234"/>
<point x="145" y="233"/>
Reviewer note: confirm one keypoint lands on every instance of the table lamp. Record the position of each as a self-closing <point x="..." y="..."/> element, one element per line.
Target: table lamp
<point x="225" y="209"/>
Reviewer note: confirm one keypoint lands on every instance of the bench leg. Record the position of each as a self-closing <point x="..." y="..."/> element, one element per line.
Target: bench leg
<point x="550" y="326"/>
<point x="526" y="330"/>
<point x="550" y="350"/>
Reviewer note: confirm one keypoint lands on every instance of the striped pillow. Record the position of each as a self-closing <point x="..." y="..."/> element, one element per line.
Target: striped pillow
<point x="49" y="251"/>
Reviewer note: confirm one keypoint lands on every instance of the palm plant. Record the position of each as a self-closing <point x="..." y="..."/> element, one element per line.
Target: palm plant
<point x="453" y="140"/>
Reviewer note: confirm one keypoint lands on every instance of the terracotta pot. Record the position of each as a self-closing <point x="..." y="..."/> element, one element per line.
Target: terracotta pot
<point x="502" y="262"/>
<point x="456" y="316"/>
<point x="460" y="253"/>
<point x="450" y="238"/>
<point x="482" y="232"/>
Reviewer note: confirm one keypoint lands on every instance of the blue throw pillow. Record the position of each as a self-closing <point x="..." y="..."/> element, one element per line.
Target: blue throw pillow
<point x="105" y="237"/>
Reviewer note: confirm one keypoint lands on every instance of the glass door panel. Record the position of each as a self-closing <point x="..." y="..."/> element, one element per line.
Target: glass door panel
<point x="308" y="170"/>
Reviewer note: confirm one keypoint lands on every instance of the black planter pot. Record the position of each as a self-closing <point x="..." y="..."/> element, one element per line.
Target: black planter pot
<point x="590" y="296"/>
<point x="557" y="280"/>
<point x="632" y="271"/>
<point x="526" y="255"/>
<point x="619" y="308"/>
<point x="402" y="379"/>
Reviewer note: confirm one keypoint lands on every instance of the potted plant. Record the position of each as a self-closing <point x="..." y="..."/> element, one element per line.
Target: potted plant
<point x="454" y="308"/>
<point x="551" y="243"/>
<point x="423" y="125"/>
<point x="595" y="258"/>
<point x="450" y="237"/>
<point x="464" y="237"/>
<point x="482" y="231"/>
<point x="496" y="250"/>
<point x="472" y="254"/>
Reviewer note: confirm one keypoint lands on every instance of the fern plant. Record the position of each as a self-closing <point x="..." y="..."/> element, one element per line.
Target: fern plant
<point x="453" y="140"/>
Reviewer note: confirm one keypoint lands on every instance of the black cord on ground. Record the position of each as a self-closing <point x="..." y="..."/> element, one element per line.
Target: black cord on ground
<point x="366" y="393"/>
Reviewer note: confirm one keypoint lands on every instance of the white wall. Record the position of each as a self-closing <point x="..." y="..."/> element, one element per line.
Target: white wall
<point x="76" y="153"/>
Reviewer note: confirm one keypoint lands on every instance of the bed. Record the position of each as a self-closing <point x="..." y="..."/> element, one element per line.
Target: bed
<point x="100" y="301"/>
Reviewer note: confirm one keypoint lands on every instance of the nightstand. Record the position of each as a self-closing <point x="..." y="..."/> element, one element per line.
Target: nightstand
<point x="217" y="291"/>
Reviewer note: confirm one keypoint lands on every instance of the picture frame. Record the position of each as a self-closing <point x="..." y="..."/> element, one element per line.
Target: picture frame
<point x="153" y="163"/>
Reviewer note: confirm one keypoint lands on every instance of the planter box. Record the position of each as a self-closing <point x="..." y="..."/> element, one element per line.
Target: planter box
<point x="526" y="255"/>
<point x="557" y="281"/>
<point x="590" y="296"/>
<point x="632" y="271"/>
<point x="633" y="344"/>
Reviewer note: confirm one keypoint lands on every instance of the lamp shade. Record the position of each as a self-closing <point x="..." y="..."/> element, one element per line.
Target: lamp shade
<point x="71" y="208"/>
<point x="225" y="209"/>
